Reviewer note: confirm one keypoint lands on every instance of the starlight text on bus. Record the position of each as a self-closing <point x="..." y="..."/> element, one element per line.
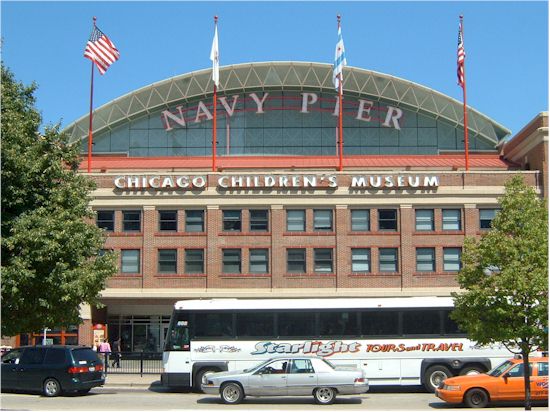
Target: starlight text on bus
<point x="365" y="111"/>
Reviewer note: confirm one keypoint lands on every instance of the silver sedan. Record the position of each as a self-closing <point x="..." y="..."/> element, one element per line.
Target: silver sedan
<point x="287" y="377"/>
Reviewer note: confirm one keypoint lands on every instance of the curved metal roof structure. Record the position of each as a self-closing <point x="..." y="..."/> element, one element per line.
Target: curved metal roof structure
<point x="290" y="76"/>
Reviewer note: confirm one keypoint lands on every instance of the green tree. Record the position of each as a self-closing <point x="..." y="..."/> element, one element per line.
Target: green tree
<point x="51" y="260"/>
<point x="505" y="277"/>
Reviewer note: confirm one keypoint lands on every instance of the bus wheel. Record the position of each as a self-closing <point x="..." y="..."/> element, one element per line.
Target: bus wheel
<point x="476" y="398"/>
<point x="471" y="370"/>
<point x="324" y="396"/>
<point x="231" y="393"/>
<point x="434" y="376"/>
<point x="198" y="378"/>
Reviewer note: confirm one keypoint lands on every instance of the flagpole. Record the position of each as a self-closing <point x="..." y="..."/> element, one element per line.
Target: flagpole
<point x="340" y="126"/>
<point x="90" y="133"/>
<point x="214" y="120"/>
<point x="466" y="146"/>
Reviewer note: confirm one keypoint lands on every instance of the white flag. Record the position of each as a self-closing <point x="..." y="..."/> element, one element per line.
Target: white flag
<point x="215" y="57"/>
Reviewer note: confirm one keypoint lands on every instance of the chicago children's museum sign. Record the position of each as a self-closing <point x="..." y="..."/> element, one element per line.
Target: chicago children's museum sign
<point x="276" y="182"/>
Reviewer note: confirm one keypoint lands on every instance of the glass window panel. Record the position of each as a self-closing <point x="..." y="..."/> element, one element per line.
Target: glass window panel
<point x="259" y="221"/>
<point x="360" y="220"/>
<point x="323" y="260"/>
<point x="449" y="325"/>
<point x="213" y="325"/>
<point x="232" y="220"/>
<point x="257" y="324"/>
<point x="130" y="261"/>
<point x="452" y="259"/>
<point x="383" y="323"/>
<point x="338" y="324"/>
<point x="387" y="219"/>
<point x="360" y="260"/>
<point x="486" y="217"/>
<point x="425" y="259"/>
<point x="294" y="324"/>
<point x="296" y="260"/>
<point x="451" y="219"/>
<point x="296" y="220"/>
<point x="232" y="261"/>
<point x="106" y="220"/>
<point x="421" y="322"/>
<point x="388" y="259"/>
<point x="167" y="261"/>
<point x="424" y="219"/>
<point x="131" y="220"/>
<point x="194" y="220"/>
<point x="322" y="220"/>
<point x="168" y="220"/>
<point x="194" y="261"/>
<point x="259" y="261"/>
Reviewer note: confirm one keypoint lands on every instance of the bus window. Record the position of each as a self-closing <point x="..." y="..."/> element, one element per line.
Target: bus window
<point x="177" y="337"/>
<point x="421" y="322"/>
<point x="384" y="323"/>
<point x="255" y="324"/>
<point x="296" y="324"/>
<point x="213" y="325"/>
<point x="338" y="324"/>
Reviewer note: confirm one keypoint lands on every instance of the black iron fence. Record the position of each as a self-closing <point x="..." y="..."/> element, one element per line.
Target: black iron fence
<point x="142" y="363"/>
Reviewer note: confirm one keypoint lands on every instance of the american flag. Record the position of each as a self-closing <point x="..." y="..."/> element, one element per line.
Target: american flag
<point x="461" y="56"/>
<point x="101" y="50"/>
<point x="339" y="60"/>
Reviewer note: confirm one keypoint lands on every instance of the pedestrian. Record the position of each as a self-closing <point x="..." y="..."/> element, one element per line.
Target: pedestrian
<point x="116" y="353"/>
<point x="105" y="348"/>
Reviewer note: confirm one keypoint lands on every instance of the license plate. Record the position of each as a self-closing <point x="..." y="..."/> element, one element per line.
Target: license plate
<point x="91" y="368"/>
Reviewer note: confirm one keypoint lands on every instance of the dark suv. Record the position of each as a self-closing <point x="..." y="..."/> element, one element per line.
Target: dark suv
<point x="52" y="369"/>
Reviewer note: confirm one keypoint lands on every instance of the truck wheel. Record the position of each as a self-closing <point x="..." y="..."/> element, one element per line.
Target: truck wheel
<point x="476" y="398"/>
<point x="231" y="393"/>
<point x="435" y="375"/>
<point x="324" y="395"/>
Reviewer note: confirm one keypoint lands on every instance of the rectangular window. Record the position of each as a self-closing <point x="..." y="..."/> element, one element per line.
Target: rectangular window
<point x="452" y="219"/>
<point x="422" y="322"/>
<point x="106" y="220"/>
<point x="231" y="261"/>
<point x="131" y="221"/>
<point x="168" y="220"/>
<point x="486" y="217"/>
<point x="336" y="324"/>
<point x="168" y="261"/>
<point x="425" y="259"/>
<point x="452" y="259"/>
<point x="360" y="260"/>
<point x="194" y="220"/>
<point x="194" y="261"/>
<point x="297" y="323"/>
<point x="296" y="260"/>
<point x="130" y="261"/>
<point x="259" y="221"/>
<point x="388" y="259"/>
<point x="380" y="323"/>
<point x="360" y="220"/>
<point x="322" y="260"/>
<point x="213" y="325"/>
<point x="255" y="324"/>
<point x="231" y="220"/>
<point x="425" y="220"/>
<point x="296" y="220"/>
<point x="322" y="220"/>
<point x="259" y="261"/>
<point x="387" y="219"/>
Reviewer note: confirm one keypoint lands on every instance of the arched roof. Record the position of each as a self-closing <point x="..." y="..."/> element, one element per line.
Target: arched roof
<point x="279" y="76"/>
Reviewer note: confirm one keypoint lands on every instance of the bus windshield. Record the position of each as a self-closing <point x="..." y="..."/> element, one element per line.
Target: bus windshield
<point x="178" y="336"/>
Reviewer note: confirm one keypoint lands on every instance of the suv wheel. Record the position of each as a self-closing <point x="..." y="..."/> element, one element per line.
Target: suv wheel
<point x="51" y="387"/>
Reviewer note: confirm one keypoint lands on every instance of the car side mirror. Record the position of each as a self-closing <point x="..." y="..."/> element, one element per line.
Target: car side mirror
<point x="506" y="376"/>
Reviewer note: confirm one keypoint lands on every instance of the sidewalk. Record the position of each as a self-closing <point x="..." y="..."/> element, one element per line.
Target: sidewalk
<point x="120" y="380"/>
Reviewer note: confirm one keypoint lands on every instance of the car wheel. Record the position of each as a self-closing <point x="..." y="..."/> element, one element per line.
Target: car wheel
<point x="434" y="376"/>
<point x="198" y="378"/>
<point x="324" y="395"/>
<point x="231" y="393"/>
<point x="51" y="387"/>
<point x="471" y="370"/>
<point x="476" y="398"/>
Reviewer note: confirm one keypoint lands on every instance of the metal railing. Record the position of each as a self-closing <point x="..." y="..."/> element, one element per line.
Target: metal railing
<point x="142" y="363"/>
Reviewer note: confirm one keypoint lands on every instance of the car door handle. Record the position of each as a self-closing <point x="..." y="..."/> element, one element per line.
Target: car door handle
<point x="311" y="376"/>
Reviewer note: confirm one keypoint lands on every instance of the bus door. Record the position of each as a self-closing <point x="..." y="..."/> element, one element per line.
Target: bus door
<point x="271" y="379"/>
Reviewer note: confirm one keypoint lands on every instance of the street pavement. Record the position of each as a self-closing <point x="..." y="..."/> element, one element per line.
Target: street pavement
<point x="130" y="380"/>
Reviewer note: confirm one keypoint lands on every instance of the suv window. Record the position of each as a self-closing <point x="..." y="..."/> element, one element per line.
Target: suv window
<point x="33" y="356"/>
<point x="55" y="356"/>
<point x="85" y="354"/>
<point x="12" y="356"/>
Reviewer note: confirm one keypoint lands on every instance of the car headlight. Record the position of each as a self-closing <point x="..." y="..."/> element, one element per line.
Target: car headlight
<point x="451" y="387"/>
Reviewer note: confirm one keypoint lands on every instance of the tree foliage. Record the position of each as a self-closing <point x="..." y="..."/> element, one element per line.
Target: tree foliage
<point x="50" y="250"/>
<point x="505" y="276"/>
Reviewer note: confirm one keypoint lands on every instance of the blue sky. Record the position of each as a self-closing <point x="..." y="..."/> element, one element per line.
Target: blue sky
<point x="506" y="45"/>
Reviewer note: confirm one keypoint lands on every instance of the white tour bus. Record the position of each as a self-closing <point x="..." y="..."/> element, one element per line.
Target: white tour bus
<point x="398" y="341"/>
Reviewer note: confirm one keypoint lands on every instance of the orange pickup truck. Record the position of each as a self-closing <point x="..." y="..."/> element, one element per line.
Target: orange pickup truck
<point x="503" y="383"/>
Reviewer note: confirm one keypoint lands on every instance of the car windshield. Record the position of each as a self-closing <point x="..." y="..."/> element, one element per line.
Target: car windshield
<point x="258" y="366"/>
<point x="499" y="370"/>
<point x="328" y="363"/>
